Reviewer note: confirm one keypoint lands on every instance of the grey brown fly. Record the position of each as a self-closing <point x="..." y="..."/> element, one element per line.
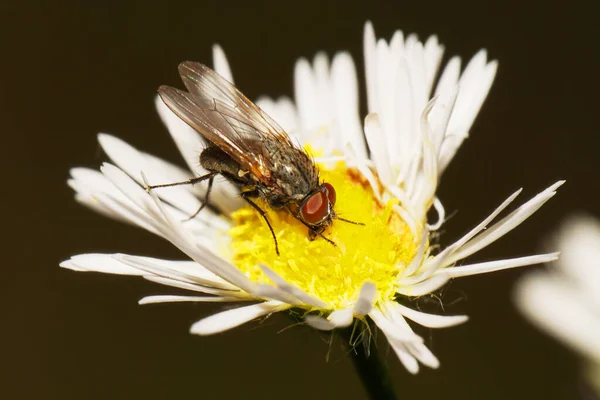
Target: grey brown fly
<point x="250" y="150"/>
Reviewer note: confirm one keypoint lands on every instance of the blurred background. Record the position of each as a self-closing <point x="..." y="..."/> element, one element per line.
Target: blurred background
<point x="71" y="69"/>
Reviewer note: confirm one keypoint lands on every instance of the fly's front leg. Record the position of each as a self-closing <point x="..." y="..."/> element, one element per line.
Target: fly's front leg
<point x="312" y="232"/>
<point x="246" y="196"/>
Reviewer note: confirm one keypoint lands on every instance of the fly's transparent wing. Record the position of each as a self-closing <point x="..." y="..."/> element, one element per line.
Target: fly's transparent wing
<point x="225" y="117"/>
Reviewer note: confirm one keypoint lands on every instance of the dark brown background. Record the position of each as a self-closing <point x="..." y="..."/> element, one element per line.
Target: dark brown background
<point x="71" y="69"/>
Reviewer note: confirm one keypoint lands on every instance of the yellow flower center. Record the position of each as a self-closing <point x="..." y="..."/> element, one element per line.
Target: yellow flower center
<point x="376" y="252"/>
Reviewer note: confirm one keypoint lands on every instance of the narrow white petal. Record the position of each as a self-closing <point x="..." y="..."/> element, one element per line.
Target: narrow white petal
<point x="104" y="263"/>
<point x="409" y="362"/>
<point x="133" y="162"/>
<point x="293" y="290"/>
<point x="305" y="94"/>
<point x="337" y="319"/>
<point x="492" y="266"/>
<point x="377" y="145"/>
<point x="128" y="187"/>
<point x="265" y="291"/>
<point x="231" y="318"/>
<point x="441" y="214"/>
<point x="431" y="320"/>
<point x="505" y="225"/>
<point x="418" y="258"/>
<point x="345" y="87"/>
<point x="342" y="318"/>
<point x="449" y="78"/>
<point x="427" y="286"/>
<point x="93" y="203"/>
<point x="180" y="284"/>
<point x="188" y="141"/>
<point x="433" y="57"/>
<point x="370" y="66"/>
<point x="399" y="345"/>
<point x="173" y="231"/>
<point x="94" y="187"/>
<point x="174" y="270"/>
<point x="434" y="263"/>
<point x="319" y="323"/>
<point x="283" y="111"/>
<point x="393" y="330"/>
<point x="221" y="66"/>
<point x="366" y="297"/>
<point x="180" y="299"/>
<point x="424" y="355"/>
<point x="579" y="242"/>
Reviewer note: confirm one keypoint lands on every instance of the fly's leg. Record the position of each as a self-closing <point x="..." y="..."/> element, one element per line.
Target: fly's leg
<point x="210" y="176"/>
<point x="350" y="222"/>
<point x="312" y="232"/>
<point x="246" y="196"/>
<point x="191" y="181"/>
<point x="206" y="197"/>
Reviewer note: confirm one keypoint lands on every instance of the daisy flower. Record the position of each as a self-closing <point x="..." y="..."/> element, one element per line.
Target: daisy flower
<point x="385" y="168"/>
<point x="565" y="300"/>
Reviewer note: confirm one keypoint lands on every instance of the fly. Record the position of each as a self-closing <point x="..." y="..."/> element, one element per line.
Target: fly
<point x="250" y="150"/>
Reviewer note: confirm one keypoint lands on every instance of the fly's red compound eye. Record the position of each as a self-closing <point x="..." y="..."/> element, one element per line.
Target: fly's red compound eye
<point x="330" y="191"/>
<point x="315" y="208"/>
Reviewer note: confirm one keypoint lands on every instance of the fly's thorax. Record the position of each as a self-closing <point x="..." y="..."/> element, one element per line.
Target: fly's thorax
<point x="293" y="171"/>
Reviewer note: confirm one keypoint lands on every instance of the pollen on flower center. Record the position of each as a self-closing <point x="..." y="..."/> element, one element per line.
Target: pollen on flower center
<point x="376" y="252"/>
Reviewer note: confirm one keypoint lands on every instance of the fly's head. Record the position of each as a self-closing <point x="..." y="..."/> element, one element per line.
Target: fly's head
<point x="316" y="210"/>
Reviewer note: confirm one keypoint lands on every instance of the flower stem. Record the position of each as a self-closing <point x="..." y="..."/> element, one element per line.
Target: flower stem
<point x="369" y="366"/>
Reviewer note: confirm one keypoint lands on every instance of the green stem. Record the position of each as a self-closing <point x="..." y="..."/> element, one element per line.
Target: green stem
<point x="369" y="366"/>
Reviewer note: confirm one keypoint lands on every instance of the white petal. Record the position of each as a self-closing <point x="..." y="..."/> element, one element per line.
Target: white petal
<point x="441" y="214"/>
<point x="342" y="318"/>
<point x="370" y="66"/>
<point x="431" y="320"/>
<point x="319" y="323"/>
<point x="423" y="354"/>
<point x="579" y="242"/>
<point x="221" y="66"/>
<point x="427" y="286"/>
<point x="180" y="299"/>
<point x="266" y="291"/>
<point x="378" y="147"/>
<point x="409" y="362"/>
<point x="293" y="290"/>
<point x="231" y="318"/>
<point x="178" y="271"/>
<point x="399" y="345"/>
<point x="181" y="284"/>
<point x="449" y="78"/>
<point x="345" y="87"/>
<point x="188" y="141"/>
<point x="95" y="188"/>
<point x="393" y="330"/>
<point x="492" y="266"/>
<point x="104" y="263"/>
<point x="133" y="162"/>
<point x="283" y="111"/>
<point x="305" y="94"/>
<point x="434" y="263"/>
<point x="559" y="308"/>
<point x="366" y="297"/>
<point x="337" y="319"/>
<point x="505" y="225"/>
